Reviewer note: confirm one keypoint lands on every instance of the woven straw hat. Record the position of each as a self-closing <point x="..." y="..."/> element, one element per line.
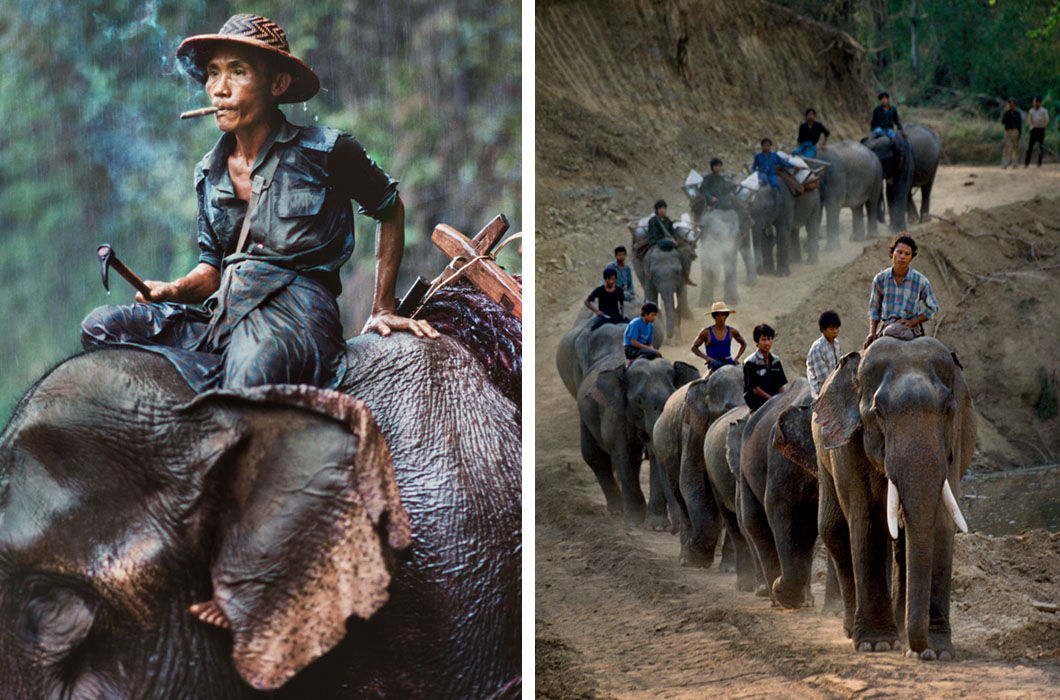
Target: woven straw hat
<point x="259" y="32"/>
<point x="719" y="307"/>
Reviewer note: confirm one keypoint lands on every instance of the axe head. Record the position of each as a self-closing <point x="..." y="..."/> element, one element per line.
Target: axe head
<point x="104" y="252"/>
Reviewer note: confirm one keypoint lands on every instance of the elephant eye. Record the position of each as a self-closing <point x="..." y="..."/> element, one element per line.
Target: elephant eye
<point x="54" y="617"/>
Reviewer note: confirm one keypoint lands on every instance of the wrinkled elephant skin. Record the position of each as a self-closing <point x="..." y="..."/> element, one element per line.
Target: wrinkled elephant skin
<point x="125" y="498"/>
<point x="899" y="414"/>
<point x="580" y="348"/>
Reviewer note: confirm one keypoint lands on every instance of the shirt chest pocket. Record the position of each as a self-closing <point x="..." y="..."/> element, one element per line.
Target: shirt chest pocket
<point x="295" y="225"/>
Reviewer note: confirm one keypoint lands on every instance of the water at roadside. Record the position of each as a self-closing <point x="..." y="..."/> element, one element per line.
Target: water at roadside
<point x="1007" y="503"/>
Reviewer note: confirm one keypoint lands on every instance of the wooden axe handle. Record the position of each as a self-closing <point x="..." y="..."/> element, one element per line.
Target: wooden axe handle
<point x="130" y="277"/>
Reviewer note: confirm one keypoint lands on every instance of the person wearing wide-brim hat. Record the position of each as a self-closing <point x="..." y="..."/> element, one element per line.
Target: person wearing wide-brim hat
<point x="275" y="224"/>
<point x="718" y="339"/>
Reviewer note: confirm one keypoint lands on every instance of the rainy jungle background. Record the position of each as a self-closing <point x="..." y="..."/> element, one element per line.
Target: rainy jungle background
<point x="92" y="151"/>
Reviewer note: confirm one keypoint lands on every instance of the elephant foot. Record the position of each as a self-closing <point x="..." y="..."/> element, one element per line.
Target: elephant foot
<point x="657" y="522"/>
<point x="832" y="606"/>
<point x="876" y="641"/>
<point x="791" y="599"/>
<point x="209" y="613"/>
<point x="696" y="557"/>
<point x="939" y="648"/>
<point x="832" y="244"/>
<point x="745" y="583"/>
<point x="615" y="506"/>
<point x="877" y="646"/>
<point x="751" y="280"/>
<point x="783" y="272"/>
<point x="812" y="259"/>
<point x="856" y="237"/>
<point x="762" y="591"/>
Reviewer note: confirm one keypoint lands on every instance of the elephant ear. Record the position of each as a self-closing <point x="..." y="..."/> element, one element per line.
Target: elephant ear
<point x="684" y="373"/>
<point x="792" y="423"/>
<point x="733" y="441"/>
<point x="964" y="427"/>
<point x="836" y="408"/>
<point x="310" y="523"/>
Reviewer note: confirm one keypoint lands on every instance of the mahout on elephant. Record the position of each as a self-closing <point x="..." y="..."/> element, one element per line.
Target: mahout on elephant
<point x="778" y="492"/>
<point x="854" y="180"/>
<point x="909" y="160"/>
<point x="617" y="410"/>
<point x="360" y="542"/>
<point x="678" y="443"/>
<point x="894" y="429"/>
<point x="662" y="269"/>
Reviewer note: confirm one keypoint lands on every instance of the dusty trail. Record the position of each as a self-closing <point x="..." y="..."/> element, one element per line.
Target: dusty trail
<point x="617" y="617"/>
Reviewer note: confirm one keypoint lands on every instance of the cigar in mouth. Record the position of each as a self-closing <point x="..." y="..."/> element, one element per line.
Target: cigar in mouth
<point x="201" y="112"/>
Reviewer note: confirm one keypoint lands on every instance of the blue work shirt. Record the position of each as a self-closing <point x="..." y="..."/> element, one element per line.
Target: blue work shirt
<point x="625" y="278"/>
<point x="766" y="167"/>
<point x="639" y="330"/>
<point x="303" y="221"/>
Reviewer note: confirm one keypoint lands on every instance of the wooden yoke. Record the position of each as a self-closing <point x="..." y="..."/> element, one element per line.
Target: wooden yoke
<point x="484" y="272"/>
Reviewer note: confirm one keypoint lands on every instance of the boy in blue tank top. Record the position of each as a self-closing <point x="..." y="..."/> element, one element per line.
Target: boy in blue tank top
<point x="718" y="339"/>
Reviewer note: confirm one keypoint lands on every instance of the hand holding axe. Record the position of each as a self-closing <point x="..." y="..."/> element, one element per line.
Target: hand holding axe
<point x="108" y="259"/>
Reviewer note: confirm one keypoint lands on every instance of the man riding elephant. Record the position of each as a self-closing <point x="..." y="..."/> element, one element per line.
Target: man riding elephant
<point x="885" y="118"/>
<point x="661" y="228"/>
<point x="902" y="298"/>
<point x="274" y="226"/>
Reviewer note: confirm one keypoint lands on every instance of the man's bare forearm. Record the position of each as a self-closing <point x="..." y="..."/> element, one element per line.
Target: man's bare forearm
<point x="196" y="286"/>
<point x="389" y="248"/>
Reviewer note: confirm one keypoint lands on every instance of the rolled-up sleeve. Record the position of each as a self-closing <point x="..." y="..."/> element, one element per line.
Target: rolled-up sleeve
<point x="927" y="297"/>
<point x="211" y="251"/>
<point x="876" y="298"/>
<point x="360" y="178"/>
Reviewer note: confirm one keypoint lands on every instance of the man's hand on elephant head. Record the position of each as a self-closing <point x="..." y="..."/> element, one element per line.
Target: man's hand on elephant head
<point x="385" y="322"/>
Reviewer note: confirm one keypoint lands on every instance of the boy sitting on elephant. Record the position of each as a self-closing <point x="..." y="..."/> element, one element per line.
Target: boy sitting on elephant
<point x="763" y="375"/>
<point x="824" y="354"/>
<point x="637" y="342"/>
<point x="610" y="299"/>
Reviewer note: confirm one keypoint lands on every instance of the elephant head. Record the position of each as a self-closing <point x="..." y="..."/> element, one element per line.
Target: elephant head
<point x="898" y="161"/>
<point x="905" y="406"/>
<point x="124" y="498"/>
<point x="648" y="384"/>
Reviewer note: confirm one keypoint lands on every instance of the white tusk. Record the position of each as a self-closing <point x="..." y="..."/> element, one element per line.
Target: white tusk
<point x="952" y="507"/>
<point x="892" y="509"/>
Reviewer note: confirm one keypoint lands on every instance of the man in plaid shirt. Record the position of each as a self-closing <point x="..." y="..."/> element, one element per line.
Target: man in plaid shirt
<point x="900" y="295"/>
<point x="825" y="353"/>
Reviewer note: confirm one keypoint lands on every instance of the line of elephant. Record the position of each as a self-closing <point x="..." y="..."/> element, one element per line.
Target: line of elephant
<point x="873" y="466"/>
<point x="861" y="176"/>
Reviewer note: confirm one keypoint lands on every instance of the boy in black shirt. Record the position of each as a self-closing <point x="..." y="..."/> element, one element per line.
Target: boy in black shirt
<point x="610" y="304"/>
<point x="763" y="376"/>
<point x="810" y="132"/>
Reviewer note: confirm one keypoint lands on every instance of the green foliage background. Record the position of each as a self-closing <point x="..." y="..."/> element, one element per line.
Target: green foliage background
<point x="92" y="151"/>
<point x="975" y="53"/>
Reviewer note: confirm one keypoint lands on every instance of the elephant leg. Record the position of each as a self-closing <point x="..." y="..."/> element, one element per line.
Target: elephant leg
<point x="925" y="200"/>
<point x="660" y="496"/>
<point x="754" y="522"/>
<point x="600" y="462"/>
<point x="769" y="242"/>
<point x="832" y="210"/>
<point x="728" y="551"/>
<point x="701" y="538"/>
<point x="939" y="633"/>
<point x="833" y="599"/>
<point x="745" y="562"/>
<point x="706" y="280"/>
<point x="898" y="581"/>
<point x="626" y="460"/>
<point x="874" y="626"/>
<point x="731" y="291"/>
<point x="794" y="525"/>
<point x="671" y="314"/>
<point x="858" y="224"/>
<point x="910" y="208"/>
<point x="783" y="239"/>
<point x="813" y="236"/>
<point x="758" y="243"/>
<point x="835" y="533"/>
<point x="749" y="262"/>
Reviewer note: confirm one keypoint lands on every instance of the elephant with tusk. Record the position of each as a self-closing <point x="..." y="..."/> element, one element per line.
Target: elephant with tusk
<point x="894" y="430"/>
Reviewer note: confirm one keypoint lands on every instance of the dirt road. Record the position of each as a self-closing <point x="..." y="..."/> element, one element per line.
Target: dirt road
<point x="617" y="617"/>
